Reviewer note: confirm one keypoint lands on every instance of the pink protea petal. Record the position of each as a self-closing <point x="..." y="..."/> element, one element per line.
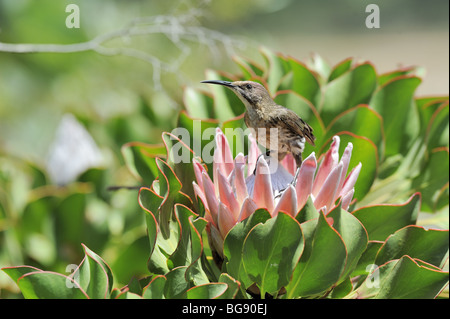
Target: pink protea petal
<point x="210" y="195"/>
<point x="347" y="199"/>
<point x="287" y="202"/>
<point x="329" y="162"/>
<point x="345" y="159"/>
<point x="200" y="194"/>
<point x="351" y="180"/>
<point x="248" y="208"/>
<point x="305" y="180"/>
<point x="328" y="191"/>
<point x="252" y="155"/>
<point x="262" y="191"/>
<point x="225" y="220"/>
<point x="198" y="170"/>
<point x="227" y="197"/>
<point x="215" y="238"/>
<point x="289" y="163"/>
<point x="239" y="179"/>
<point x="223" y="159"/>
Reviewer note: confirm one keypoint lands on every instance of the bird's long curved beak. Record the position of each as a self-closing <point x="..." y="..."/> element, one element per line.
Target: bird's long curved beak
<point x="224" y="83"/>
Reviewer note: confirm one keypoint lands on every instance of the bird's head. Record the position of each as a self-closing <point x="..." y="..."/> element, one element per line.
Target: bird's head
<point x="252" y="94"/>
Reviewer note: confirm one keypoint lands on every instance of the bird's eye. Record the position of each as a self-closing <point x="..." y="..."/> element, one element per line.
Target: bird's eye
<point x="248" y="86"/>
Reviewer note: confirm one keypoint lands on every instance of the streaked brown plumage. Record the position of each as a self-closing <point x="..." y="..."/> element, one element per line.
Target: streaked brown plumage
<point x="262" y="114"/>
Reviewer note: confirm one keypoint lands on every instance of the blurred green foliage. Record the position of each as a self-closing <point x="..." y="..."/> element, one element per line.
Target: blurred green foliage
<point x="118" y="100"/>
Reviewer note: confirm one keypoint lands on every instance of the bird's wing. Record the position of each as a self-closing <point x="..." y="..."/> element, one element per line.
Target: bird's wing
<point x="297" y="125"/>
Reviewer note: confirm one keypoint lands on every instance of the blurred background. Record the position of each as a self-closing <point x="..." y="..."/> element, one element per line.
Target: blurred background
<point x="130" y="88"/>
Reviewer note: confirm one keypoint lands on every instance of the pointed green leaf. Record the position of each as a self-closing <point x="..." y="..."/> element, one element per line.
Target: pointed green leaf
<point x="361" y="121"/>
<point x="432" y="181"/>
<point x="322" y="262"/>
<point x="429" y="245"/>
<point x="348" y="90"/>
<point x="437" y="129"/>
<point x="381" y="221"/>
<point x="233" y="286"/>
<point x="308" y="212"/>
<point x="140" y="160"/>
<point x="271" y="251"/>
<point x="16" y="272"/>
<point x="94" y="275"/>
<point x="340" y="69"/>
<point x="275" y="69"/>
<point x="207" y="291"/>
<point x="50" y="285"/>
<point x="176" y="284"/>
<point x="304" y="82"/>
<point x="364" y="266"/>
<point x="411" y="279"/>
<point x="393" y="101"/>
<point x="155" y="289"/>
<point x="353" y="234"/>
<point x="233" y="245"/>
<point x="198" y="105"/>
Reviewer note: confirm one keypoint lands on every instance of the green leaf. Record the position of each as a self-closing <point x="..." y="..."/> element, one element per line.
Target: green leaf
<point x="176" y="284"/>
<point x="322" y="262"/>
<point x="194" y="133"/>
<point x="393" y="101"/>
<point x="275" y="69"/>
<point x="304" y="82"/>
<point x="155" y="289"/>
<point x="430" y="245"/>
<point x="233" y="286"/>
<point x="140" y="160"/>
<point x="137" y="251"/>
<point x="94" y="275"/>
<point x="308" y="212"/>
<point x="190" y="246"/>
<point x="212" y="290"/>
<point x="233" y="245"/>
<point x="426" y="107"/>
<point x="386" y="77"/>
<point x="364" y="266"/>
<point x="381" y="221"/>
<point x="169" y="186"/>
<point x="49" y="285"/>
<point x="432" y="181"/>
<point x="320" y="66"/>
<point x="348" y="90"/>
<point x="271" y="251"/>
<point x="250" y="68"/>
<point x="16" y="272"/>
<point x="361" y="121"/>
<point x="198" y="105"/>
<point x="398" y="284"/>
<point x="343" y="289"/>
<point x="353" y="234"/>
<point x="340" y="69"/>
<point x="437" y="129"/>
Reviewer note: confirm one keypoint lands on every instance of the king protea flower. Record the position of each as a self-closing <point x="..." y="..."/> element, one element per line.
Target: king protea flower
<point x="244" y="184"/>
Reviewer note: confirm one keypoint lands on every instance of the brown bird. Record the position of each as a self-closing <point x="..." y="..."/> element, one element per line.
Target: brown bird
<point x="263" y="114"/>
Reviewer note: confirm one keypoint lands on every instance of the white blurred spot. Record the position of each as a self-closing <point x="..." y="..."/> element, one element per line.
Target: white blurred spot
<point x="72" y="152"/>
